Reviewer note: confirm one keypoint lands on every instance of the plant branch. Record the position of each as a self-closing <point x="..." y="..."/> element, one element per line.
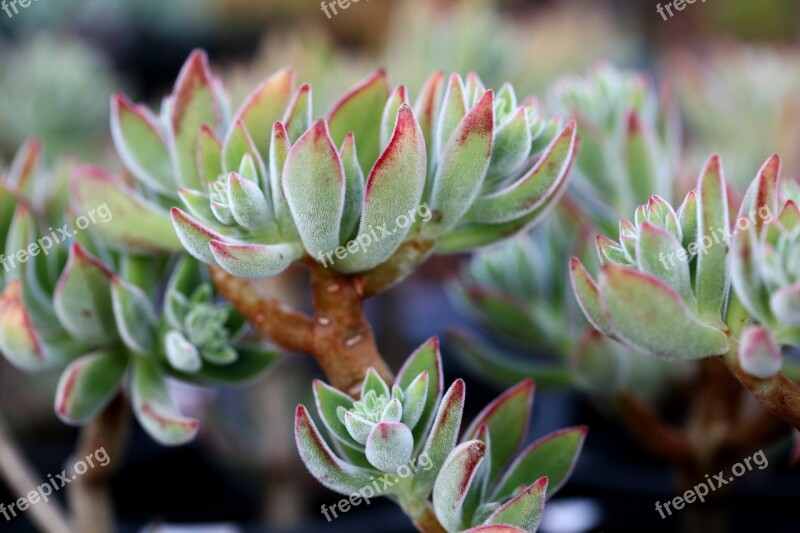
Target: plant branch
<point x="654" y="433"/>
<point x="21" y="479"/>
<point x="778" y="394"/>
<point x="89" y="494"/>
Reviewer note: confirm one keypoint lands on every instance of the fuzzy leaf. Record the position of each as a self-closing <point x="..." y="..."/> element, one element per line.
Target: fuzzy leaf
<point x="553" y="456"/>
<point x="758" y="353"/>
<point x="254" y="261"/>
<point x="588" y="295"/>
<point x="356" y="111"/>
<point x="141" y="145"/>
<point x="761" y="197"/>
<point x="641" y="157"/>
<point x="711" y="282"/>
<point x="82" y="298"/>
<point x="195" y="103"/>
<point x="238" y="145"/>
<point x="785" y="303"/>
<point x="451" y="112"/>
<point x="646" y="313"/>
<point x="512" y="144"/>
<point x="746" y="275"/>
<point x="658" y="252"/>
<point x="506" y="418"/>
<point x="532" y="190"/>
<point x="134" y="316"/>
<point x="373" y="382"/>
<point x="209" y="156"/>
<point x="328" y="469"/>
<point x="313" y="181"/>
<point x="426" y="109"/>
<point x="248" y="205"/>
<point x="414" y="400"/>
<point x="88" y="384"/>
<point x="358" y="428"/>
<point x="19" y="341"/>
<point x="181" y="353"/>
<point x="298" y="115"/>
<point x="453" y="483"/>
<point x="195" y="237"/>
<point x="266" y="105"/>
<point x="426" y="358"/>
<point x="135" y="224"/>
<point x="389" y="117"/>
<point x="354" y="188"/>
<point x="462" y="166"/>
<point x="442" y="437"/>
<point x="328" y="400"/>
<point x="389" y="446"/>
<point x="525" y="510"/>
<point x="197" y="203"/>
<point x="153" y="406"/>
<point x="394" y="189"/>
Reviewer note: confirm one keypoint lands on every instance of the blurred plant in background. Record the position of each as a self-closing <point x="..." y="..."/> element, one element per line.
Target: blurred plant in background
<point x="46" y="93"/>
<point x="743" y="103"/>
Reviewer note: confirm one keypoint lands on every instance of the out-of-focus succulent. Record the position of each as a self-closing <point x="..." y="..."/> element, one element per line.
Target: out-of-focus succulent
<point x="630" y="141"/>
<point x="765" y="267"/>
<point x="667" y="272"/>
<point x="272" y="188"/>
<point x="45" y="93"/>
<point x="730" y="89"/>
<point x="72" y="303"/>
<point x="406" y="436"/>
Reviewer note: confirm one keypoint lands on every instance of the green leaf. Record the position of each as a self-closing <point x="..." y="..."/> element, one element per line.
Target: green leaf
<point x="328" y="400"/>
<point x="641" y="157"/>
<point x="153" y="406"/>
<point x="88" y="384"/>
<point x="462" y="166"/>
<point x="134" y="316"/>
<point x="389" y="446"/>
<point x="426" y="358"/>
<point x="442" y="437"/>
<point x="426" y="109"/>
<point x="525" y="510"/>
<point x="646" y="313"/>
<point x="761" y="197"/>
<point x="321" y="462"/>
<point x="534" y="189"/>
<point x="195" y="237"/>
<point x="194" y="103"/>
<point x="239" y="144"/>
<point x="298" y="115"/>
<point x="354" y="188"/>
<point x="759" y="355"/>
<point x="453" y="483"/>
<point x="711" y="283"/>
<point x="19" y="341"/>
<point x="248" y="205"/>
<point x="659" y="253"/>
<point x="313" y="181"/>
<point x="254" y="261"/>
<point x="141" y="145"/>
<point x="391" y="200"/>
<point x="82" y="299"/>
<point x="181" y="354"/>
<point x="746" y="275"/>
<point x="209" y="156"/>
<point x="134" y="224"/>
<point x="252" y="361"/>
<point x="553" y="456"/>
<point x="389" y="118"/>
<point x="356" y="112"/>
<point x="588" y="295"/>
<point x="452" y="111"/>
<point x="414" y="400"/>
<point x="506" y="418"/>
<point x="264" y="106"/>
<point x="373" y="382"/>
<point x="512" y="145"/>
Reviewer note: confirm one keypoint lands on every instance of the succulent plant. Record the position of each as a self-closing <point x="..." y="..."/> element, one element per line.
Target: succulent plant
<point x="630" y="141"/>
<point x="63" y="307"/>
<point x="413" y="426"/>
<point x="669" y="272"/>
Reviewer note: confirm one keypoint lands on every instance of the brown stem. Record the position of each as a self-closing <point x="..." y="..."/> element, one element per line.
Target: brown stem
<point x="778" y="394"/>
<point x="89" y="494"/>
<point x="22" y="479"/>
<point x="654" y="433"/>
<point x="339" y="336"/>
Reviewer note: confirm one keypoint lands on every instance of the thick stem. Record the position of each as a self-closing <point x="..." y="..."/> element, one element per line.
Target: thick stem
<point x="778" y="394"/>
<point x="89" y="494"/>
<point x="654" y="433"/>
<point x="22" y="479"/>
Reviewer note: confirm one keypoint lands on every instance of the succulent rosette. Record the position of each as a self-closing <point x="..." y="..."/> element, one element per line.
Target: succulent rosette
<point x="413" y="426"/>
<point x="72" y="303"/>
<point x="272" y="186"/>
<point x="764" y="270"/>
<point x="666" y="273"/>
<point x="630" y="141"/>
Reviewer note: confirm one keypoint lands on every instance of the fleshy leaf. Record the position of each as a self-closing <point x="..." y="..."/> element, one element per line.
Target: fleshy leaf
<point x="358" y="428"/>
<point x="328" y="400"/>
<point x="389" y="446"/>
<point x="785" y="303"/>
<point x="506" y="418"/>
<point x="266" y="105"/>
<point x="389" y="117"/>
<point x="134" y="316"/>
<point x="646" y="313"/>
<point x="553" y="456"/>
<point x="88" y="384"/>
<point x="298" y="115"/>
<point x="313" y="181"/>
<point x="761" y="197"/>
<point x="758" y="353"/>
<point x="588" y="295"/>
<point x="82" y="298"/>
<point x="414" y="400"/>
<point x="248" y="205"/>
<point x="254" y="261"/>
<point x="181" y="353"/>
<point x="354" y="188"/>
<point x="153" y="406"/>
<point x="195" y="237"/>
<point x="525" y="510"/>
<point x="451" y="112"/>
<point x="454" y="481"/>
<point x="512" y="144"/>
<point x="426" y="358"/>
<point x="18" y="339"/>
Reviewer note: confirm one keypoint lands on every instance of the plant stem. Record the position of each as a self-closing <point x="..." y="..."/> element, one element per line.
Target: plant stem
<point x="21" y="479"/>
<point x="89" y="494"/>
<point x="654" y="433"/>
